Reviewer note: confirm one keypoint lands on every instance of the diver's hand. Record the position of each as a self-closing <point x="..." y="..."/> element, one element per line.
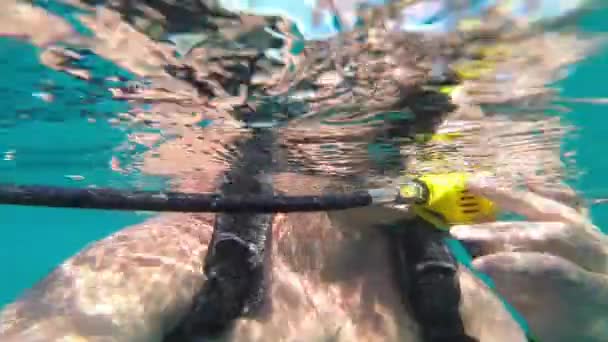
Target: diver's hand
<point x="552" y="269"/>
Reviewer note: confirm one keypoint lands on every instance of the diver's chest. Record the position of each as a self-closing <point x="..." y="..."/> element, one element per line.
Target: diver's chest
<point x="352" y="296"/>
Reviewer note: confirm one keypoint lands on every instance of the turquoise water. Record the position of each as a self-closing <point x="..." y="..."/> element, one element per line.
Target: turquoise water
<point x="588" y="81"/>
<point x="41" y="143"/>
<point x="57" y="139"/>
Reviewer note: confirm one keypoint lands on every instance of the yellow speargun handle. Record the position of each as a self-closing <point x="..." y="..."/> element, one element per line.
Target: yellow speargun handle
<point x="445" y="200"/>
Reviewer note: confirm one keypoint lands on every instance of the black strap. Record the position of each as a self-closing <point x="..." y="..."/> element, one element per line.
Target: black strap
<point x="235" y="263"/>
<point x="426" y="272"/>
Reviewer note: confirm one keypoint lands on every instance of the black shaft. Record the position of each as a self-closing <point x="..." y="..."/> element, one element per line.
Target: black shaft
<point x="114" y="199"/>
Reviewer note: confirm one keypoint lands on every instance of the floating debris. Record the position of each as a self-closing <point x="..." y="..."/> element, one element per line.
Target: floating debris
<point x="75" y="177"/>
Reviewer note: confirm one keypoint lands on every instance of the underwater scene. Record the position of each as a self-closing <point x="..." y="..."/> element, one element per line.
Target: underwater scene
<point x="312" y="170"/>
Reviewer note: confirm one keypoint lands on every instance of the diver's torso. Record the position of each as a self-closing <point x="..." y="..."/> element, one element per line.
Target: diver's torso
<point x="329" y="282"/>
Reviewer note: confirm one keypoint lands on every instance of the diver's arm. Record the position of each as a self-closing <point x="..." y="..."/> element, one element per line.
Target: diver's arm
<point x="131" y="286"/>
<point x="552" y="272"/>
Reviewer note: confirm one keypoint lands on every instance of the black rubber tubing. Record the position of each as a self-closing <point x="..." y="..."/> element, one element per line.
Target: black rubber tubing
<point x="118" y="199"/>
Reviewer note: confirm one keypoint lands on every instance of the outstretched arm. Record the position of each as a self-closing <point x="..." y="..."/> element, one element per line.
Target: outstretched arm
<point x="552" y="269"/>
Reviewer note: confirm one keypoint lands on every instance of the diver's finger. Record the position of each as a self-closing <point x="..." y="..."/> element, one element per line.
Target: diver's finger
<point x="585" y="248"/>
<point x="509" y="269"/>
<point x="552" y="293"/>
<point x="526" y="203"/>
<point x="493" y="237"/>
<point x="561" y="193"/>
